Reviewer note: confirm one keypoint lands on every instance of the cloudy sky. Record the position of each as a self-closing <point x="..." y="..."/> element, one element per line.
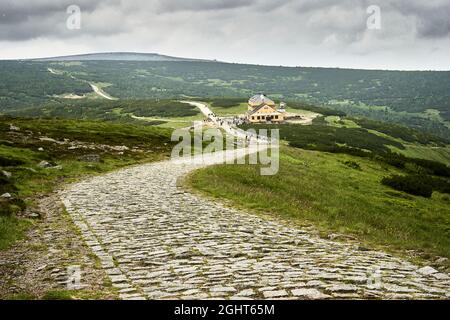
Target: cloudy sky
<point x="414" y="34"/>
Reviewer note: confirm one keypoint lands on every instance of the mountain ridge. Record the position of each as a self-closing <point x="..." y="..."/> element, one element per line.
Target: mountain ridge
<point x="118" y="56"/>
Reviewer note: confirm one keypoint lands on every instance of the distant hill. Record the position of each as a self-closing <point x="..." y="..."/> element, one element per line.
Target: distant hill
<point x="419" y="99"/>
<point x="117" y="56"/>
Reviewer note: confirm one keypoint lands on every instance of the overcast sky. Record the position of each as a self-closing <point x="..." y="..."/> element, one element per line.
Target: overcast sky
<point x="414" y="34"/>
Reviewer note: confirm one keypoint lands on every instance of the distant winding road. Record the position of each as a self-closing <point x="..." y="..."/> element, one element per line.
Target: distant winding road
<point x="101" y="93"/>
<point x="94" y="87"/>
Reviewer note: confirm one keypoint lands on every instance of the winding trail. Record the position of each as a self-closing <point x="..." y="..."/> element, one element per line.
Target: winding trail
<point x="157" y="241"/>
<point x="228" y="128"/>
<point x="101" y="93"/>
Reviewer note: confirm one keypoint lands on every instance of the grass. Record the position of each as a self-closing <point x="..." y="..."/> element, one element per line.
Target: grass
<point x="173" y="122"/>
<point x="59" y="295"/>
<point x="321" y="189"/>
<point x="12" y="229"/>
<point x="440" y="154"/>
<point x="20" y="155"/>
<point x="339" y="122"/>
<point x="239" y="109"/>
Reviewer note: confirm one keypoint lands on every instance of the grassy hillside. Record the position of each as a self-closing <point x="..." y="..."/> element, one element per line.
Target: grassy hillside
<point x="168" y="113"/>
<point x="36" y="156"/>
<point x="341" y="175"/>
<point x="418" y="99"/>
<point x="337" y="193"/>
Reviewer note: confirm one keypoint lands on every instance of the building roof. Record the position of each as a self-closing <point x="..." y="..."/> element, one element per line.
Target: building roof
<point x="275" y="111"/>
<point x="260" y="100"/>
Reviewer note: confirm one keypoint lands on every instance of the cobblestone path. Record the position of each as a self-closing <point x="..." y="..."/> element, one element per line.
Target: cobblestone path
<point x="157" y="241"/>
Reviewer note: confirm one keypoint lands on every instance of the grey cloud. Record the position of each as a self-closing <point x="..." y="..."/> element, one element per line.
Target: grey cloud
<point x="226" y="27"/>
<point x="31" y="19"/>
<point x="21" y="20"/>
<point x="201" y="5"/>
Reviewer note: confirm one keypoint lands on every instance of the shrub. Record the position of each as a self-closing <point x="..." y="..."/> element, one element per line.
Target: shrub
<point x="394" y="159"/>
<point x="412" y="184"/>
<point x="226" y="102"/>
<point x="318" y="109"/>
<point x="8" y="162"/>
<point x="10" y="207"/>
<point x="352" y="164"/>
<point x="434" y="167"/>
<point x="400" y="161"/>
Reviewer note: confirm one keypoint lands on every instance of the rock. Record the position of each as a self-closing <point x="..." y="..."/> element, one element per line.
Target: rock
<point x="337" y="236"/>
<point x="13" y="128"/>
<point x="41" y="149"/>
<point x="440" y="276"/>
<point x="441" y="261"/>
<point x="426" y="271"/>
<point x="90" y="158"/>
<point x="118" y="279"/>
<point x="44" y="164"/>
<point x="59" y="167"/>
<point x="120" y="148"/>
<point x="48" y="165"/>
<point x="309" y="294"/>
<point x="6" y="195"/>
<point x="246" y="293"/>
<point x="275" y="294"/>
<point x="343" y="288"/>
<point x="223" y="289"/>
<point x="34" y="215"/>
<point x="6" y="174"/>
<point x="41" y="267"/>
<point x="46" y="139"/>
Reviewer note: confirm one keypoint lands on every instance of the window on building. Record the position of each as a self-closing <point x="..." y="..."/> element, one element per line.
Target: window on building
<point x="259" y="118"/>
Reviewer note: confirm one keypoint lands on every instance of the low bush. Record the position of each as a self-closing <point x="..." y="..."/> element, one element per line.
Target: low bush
<point x="318" y="109"/>
<point x="434" y="167"/>
<point x="9" y="162"/>
<point x="352" y="164"/>
<point x="413" y="184"/>
<point x="226" y="103"/>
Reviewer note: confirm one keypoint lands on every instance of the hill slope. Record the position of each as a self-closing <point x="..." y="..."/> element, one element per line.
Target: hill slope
<point x="116" y="56"/>
<point x="417" y="99"/>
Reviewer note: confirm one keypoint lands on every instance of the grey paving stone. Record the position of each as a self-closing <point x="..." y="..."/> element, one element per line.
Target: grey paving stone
<point x="163" y="242"/>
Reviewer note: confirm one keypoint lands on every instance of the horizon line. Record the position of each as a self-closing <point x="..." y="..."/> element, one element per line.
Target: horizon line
<point x="215" y="61"/>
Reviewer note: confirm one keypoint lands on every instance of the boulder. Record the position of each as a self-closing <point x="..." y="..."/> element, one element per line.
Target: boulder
<point x="13" y="128"/>
<point x="44" y="164"/>
<point x="426" y="271"/>
<point x="6" y="174"/>
<point x="90" y="158"/>
<point x="47" y="165"/>
<point x="6" y="196"/>
<point x="34" y="215"/>
<point x="120" y="148"/>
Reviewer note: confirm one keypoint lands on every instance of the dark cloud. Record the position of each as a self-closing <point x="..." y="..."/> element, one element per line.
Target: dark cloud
<point x="21" y="20"/>
<point x="229" y="29"/>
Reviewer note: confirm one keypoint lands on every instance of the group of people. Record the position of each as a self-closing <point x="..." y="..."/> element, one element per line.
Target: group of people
<point x="232" y="123"/>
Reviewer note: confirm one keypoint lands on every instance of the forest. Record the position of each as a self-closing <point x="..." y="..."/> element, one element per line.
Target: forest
<point x="417" y="99"/>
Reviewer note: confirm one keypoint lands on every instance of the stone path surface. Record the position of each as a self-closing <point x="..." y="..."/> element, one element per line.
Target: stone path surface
<point x="157" y="241"/>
